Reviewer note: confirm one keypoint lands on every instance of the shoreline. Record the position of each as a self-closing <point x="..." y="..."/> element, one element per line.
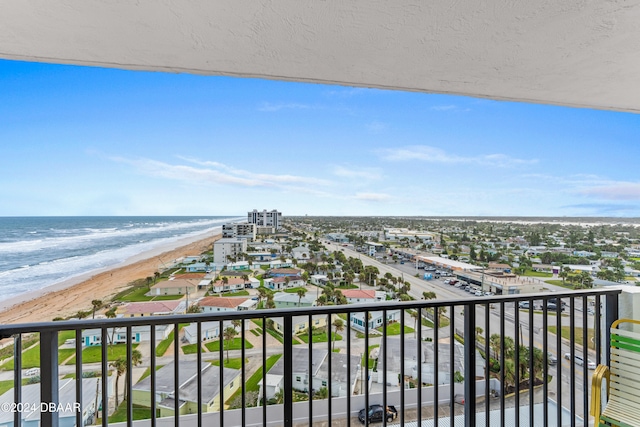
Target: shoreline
<point x="74" y="294"/>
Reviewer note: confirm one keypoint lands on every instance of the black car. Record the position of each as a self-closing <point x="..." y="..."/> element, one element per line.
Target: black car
<point x="377" y="412"/>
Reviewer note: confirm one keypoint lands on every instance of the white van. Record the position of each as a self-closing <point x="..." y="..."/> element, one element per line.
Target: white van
<point x="31" y="372"/>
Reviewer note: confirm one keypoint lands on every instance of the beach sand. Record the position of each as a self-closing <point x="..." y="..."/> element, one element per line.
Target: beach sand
<point x="69" y="297"/>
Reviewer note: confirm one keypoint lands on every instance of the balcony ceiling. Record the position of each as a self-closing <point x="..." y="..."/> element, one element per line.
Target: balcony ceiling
<point x="574" y="52"/>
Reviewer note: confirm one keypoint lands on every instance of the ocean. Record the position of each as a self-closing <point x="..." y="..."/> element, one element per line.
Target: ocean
<point x="36" y="252"/>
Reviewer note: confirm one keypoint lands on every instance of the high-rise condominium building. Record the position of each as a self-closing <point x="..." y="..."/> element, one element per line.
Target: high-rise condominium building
<point x="265" y="218"/>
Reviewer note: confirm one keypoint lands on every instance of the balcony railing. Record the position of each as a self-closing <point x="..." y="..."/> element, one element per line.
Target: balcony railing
<point x="479" y="361"/>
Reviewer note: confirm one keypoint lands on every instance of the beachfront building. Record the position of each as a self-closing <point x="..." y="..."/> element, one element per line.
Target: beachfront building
<point x="151" y="308"/>
<point x="174" y="287"/>
<point x="188" y="372"/>
<point x="265" y="219"/>
<point x="239" y="231"/>
<point x="223" y="249"/>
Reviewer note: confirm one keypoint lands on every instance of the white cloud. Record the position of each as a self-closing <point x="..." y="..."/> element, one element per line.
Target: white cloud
<point x="211" y="172"/>
<point x="614" y="191"/>
<point x="436" y="155"/>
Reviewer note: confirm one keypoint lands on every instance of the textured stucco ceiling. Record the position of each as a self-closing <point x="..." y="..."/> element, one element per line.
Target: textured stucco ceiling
<point x="574" y="52"/>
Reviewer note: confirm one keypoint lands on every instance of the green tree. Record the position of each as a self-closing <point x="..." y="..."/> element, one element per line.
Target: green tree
<point x="338" y="324"/>
<point x="229" y="334"/>
<point x="96" y="304"/>
<point x="300" y="292"/>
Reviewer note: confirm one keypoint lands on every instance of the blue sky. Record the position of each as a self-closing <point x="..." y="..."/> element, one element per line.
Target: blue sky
<point x="92" y="141"/>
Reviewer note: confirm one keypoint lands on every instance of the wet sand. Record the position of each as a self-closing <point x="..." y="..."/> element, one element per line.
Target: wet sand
<point x="67" y="298"/>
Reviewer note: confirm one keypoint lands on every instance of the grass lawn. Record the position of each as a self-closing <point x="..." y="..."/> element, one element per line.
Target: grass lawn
<point x="276" y="335"/>
<point x="7" y="385"/>
<point x="135" y="295"/>
<point x="236" y="344"/>
<point x="348" y="287"/>
<point x="165" y="297"/>
<point x="372" y="362"/>
<point x="566" y="332"/>
<point x="294" y="290"/>
<point x="252" y="382"/>
<point x="394" y="329"/>
<point x="162" y="347"/>
<point x="257" y="332"/>
<point x="120" y="414"/>
<point x="233" y="362"/>
<point x="238" y="294"/>
<point x="559" y="283"/>
<point x="190" y="349"/>
<point x="94" y="354"/>
<point x="319" y="337"/>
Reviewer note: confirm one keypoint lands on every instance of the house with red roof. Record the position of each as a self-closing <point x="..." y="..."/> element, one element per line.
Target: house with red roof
<point x="220" y="304"/>
<point x="361" y="296"/>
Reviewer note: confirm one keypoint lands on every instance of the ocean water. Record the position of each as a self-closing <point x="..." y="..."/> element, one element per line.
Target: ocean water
<point x="36" y="252"/>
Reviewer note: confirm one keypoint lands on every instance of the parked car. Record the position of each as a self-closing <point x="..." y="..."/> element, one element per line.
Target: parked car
<point x="524" y="304"/>
<point x="479" y="293"/>
<point x="553" y="307"/>
<point x="580" y="361"/>
<point x="377" y="412"/>
<point x="31" y="372"/>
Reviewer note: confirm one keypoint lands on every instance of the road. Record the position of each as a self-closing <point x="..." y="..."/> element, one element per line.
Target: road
<point x="518" y="333"/>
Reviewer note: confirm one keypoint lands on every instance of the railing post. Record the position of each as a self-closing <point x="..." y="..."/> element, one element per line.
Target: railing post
<point x="469" y="365"/>
<point x="49" y="376"/>
<point x="610" y="316"/>
<point x="288" y="369"/>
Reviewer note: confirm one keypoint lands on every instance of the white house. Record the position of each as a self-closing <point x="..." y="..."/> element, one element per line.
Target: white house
<point x="300" y="253"/>
<point x="221" y="304"/>
<point x="92" y="337"/>
<point x="362" y="296"/>
<point x="358" y="322"/>
<point x="233" y="284"/>
<point x="285" y="299"/>
<point x="284" y="282"/>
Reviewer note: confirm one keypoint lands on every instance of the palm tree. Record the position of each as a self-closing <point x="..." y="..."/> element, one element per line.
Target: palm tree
<point x="96" y="303"/>
<point x="229" y="334"/>
<point x="339" y="325"/>
<point x="300" y="292"/>
<point x="237" y="323"/>
<point x="120" y="366"/>
<point x="414" y="316"/>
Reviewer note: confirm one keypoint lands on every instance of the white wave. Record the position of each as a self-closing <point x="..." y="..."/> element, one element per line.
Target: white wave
<point x="93" y="236"/>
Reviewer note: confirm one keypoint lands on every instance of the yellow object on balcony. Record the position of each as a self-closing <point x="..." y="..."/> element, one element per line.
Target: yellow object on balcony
<point x="622" y="378"/>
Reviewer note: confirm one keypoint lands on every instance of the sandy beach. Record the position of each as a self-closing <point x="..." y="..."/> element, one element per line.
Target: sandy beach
<point x="67" y="298"/>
